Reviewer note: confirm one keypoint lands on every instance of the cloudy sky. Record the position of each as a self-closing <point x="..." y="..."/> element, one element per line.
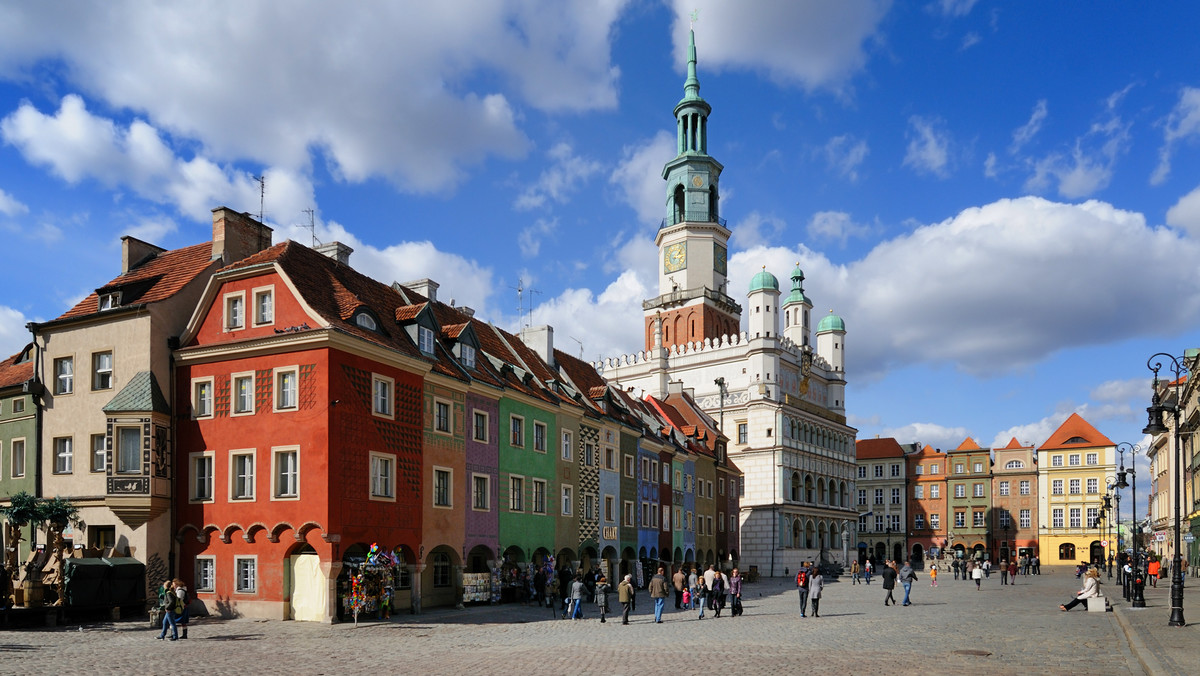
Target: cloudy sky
<point x="1002" y="200"/>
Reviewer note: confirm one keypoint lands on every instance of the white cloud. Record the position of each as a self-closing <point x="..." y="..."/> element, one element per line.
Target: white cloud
<point x="844" y="154"/>
<point x="614" y="311"/>
<point x="927" y="434"/>
<point x="928" y="146"/>
<point x="566" y="174"/>
<point x="530" y="238"/>
<point x="1185" y="213"/>
<point x="1122" y="391"/>
<point x="837" y="226"/>
<point x="13" y="334"/>
<point x="77" y="145"/>
<point x="756" y="229"/>
<point x="1025" y="133"/>
<point x="989" y="166"/>
<point x="152" y="229"/>
<point x="1182" y="123"/>
<point x="956" y="7"/>
<point x="404" y="91"/>
<point x="970" y="40"/>
<point x="1088" y="167"/>
<point x="638" y="176"/>
<point x="811" y="44"/>
<point x="10" y="206"/>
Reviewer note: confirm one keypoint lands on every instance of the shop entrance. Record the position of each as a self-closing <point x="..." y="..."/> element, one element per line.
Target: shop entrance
<point x="310" y="593"/>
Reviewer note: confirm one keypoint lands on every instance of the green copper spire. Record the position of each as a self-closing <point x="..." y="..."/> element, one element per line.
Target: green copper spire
<point x="691" y="88"/>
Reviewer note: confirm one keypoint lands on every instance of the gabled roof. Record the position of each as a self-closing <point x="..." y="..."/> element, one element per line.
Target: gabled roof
<point x="872" y="449"/>
<point x="157" y="279"/>
<point x="968" y="444"/>
<point x="16" y="369"/>
<point x="1075" y="427"/>
<point x="141" y="395"/>
<point x="1013" y="444"/>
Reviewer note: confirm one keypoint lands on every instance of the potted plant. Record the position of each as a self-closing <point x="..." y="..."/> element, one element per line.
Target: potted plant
<point x="23" y="509"/>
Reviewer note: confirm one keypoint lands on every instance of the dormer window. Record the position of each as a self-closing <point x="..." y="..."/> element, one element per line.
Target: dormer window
<point x="110" y="301"/>
<point x="467" y="355"/>
<point x="366" y="321"/>
<point x="425" y="339"/>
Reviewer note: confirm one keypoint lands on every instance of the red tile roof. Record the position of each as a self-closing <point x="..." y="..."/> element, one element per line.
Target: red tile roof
<point x="12" y="373"/>
<point x="1013" y="443"/>
<point x="155" y="280"/>
<point x="886" y="447"/>
<point x="1072" y="427"/>
<point x="968" y="444"/>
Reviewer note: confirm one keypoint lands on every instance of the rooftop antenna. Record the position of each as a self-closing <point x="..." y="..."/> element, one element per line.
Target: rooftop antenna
<point x="520" y="287"/>
<point x="312" y="228"/>
<point x="580" y="346"/>
<point x="262" y="194"/>
<point x="532" y="291"/>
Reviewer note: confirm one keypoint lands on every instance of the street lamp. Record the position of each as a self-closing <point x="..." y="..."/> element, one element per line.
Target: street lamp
<point x="1138" y="599"/>
<point x="1154" y="427"/>
<point x="1108" y="526"/>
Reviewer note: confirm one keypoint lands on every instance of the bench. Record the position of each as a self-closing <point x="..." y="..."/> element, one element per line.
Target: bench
<point x="1097" y="604"/>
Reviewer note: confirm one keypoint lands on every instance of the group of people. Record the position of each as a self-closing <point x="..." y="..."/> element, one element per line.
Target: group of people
<point x="710" y="590"/>
<point x="173" y="602"/>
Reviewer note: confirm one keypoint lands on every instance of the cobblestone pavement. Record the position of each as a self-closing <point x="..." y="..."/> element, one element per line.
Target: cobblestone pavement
<point x="1159" y="647"/>
<point x="948" y="630"/>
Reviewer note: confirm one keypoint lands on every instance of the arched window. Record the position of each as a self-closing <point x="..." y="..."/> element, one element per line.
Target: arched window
<point x="821" y="497"/>
<point x="796" y="486"/>
<point x="809" y="491"/>
<point x="677" y="205"/>
<point x="441" y="570"/>
<point x="1014" y="464"/>
<point x="712" y="204"/>
<point x="795" y="534"/>
<point x="810" y="536"/>
<point x="1066" y="552"/>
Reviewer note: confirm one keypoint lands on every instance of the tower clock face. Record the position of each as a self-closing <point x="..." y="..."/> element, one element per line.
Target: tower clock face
<point x="675" y="257"/>
<point x="719" y="258"/>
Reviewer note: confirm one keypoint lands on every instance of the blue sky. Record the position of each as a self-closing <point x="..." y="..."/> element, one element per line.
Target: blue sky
<point x="1001" y="199"/>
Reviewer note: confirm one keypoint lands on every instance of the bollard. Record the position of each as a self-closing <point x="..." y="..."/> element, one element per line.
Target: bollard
<point x="1139" y="588"/>
<point x="1125" y="585"/>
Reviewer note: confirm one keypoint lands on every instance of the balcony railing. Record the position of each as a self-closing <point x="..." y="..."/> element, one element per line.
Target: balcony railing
<point x="691" y="217"/>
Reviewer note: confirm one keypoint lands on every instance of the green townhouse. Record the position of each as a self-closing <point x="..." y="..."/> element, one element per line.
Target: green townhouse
<point x="19" y="413"/>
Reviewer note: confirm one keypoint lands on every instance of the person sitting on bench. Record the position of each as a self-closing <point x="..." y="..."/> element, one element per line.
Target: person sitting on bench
<point x="1091" y="589"/>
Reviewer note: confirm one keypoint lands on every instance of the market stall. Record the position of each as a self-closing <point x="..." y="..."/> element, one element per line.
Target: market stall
<point x="366" y="587"/>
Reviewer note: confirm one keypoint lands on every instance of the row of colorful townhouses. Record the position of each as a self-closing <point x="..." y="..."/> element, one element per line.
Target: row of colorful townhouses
<point x="255" y="418"/>
<point x="972" y="502"/>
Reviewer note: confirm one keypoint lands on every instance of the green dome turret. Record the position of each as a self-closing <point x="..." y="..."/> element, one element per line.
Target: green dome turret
<point x="831" y="322"/>
<point x="764" y="280"/>
<point x="797" y="294"/>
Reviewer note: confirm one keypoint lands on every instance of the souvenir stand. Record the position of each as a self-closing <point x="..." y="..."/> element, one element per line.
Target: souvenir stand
<point x="370" y="585"/>
<point x="477" y="588"/>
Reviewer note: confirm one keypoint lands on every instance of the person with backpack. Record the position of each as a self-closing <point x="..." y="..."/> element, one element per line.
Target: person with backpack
<point x="181" y="596"/>
<point x="172" y="607"/>
<point x="802" y="578"/>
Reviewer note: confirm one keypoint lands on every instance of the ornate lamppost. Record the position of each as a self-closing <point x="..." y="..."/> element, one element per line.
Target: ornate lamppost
<point x="1135" y="595"/>
<point x="1108" y="526"/>
<point x="1154" y="427"/>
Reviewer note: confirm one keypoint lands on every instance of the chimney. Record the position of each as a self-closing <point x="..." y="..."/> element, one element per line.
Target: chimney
<point x="675" y="387"/>
<point x="426" y="287"/>
<point x="134" y="252"/>
<point x="468" y="311"/>
<point x="337" y="251"/>
<point x="236" y="236"/>
<point x="540" y="339"/>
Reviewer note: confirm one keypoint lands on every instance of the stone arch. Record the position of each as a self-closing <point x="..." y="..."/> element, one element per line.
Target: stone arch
<point x="227" y="534"/>
<point x="254" y="529"/>
<point x="795" y="487"/>
<point x="278" y="531"/>
<point x="845" y="494"/>
<point x="810" y="535"/>
<point x="822" y="496"/>
<point x="823" y="535"/>
<point x="808" y="488"/>
<point x="201" y="535"/>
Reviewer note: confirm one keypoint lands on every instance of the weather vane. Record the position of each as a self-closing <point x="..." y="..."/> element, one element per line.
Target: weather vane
<point x="695" y="16"/>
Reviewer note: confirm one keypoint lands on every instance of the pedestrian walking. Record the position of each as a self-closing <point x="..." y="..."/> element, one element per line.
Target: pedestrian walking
<point x="987" y="568"/>
<point x="1003" y="573"/>
<point x="602" y="590"/>
<point x="855" y="572"/>
<point x="907" y="577"/>
<point x="692" y="578"/>
<point x="735" y="593"/>
<point x="933" y="573"/>
<point x="1037" y="565"/>
<point x="677" y="581"/>
<point x="718" y="593"/>
<point x="658" y="592"/>
<point x="977" y="575"/>
<point x="888" y="574"/>
<point x="625" y="597"/>
<point x="552" y="595"/>
<point x="168" y="602"/>
<point x="802" y="580"/>
<point x="702" y="591"/>
<point x="1152" y="569"/>
<point x="1012" y="571"/>
<point x="867" y="570"/>
<point x="955" y="565"/>
<point x="816" y="585"/>
<point x="708" y="584"/>
<point x="577" y="598"/>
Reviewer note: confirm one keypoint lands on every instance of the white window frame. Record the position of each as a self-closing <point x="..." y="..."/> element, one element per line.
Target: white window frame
<point x="1056" y="461"/>
<point x="513" y="420"/>
<point x="433" y="487"/>
<point x="935" y="492"/>
<point x="487" y="422"/>
<point x="230" y="320"/>
<point x="383" y="396"/>
<point x="276" y="453"/>
<point x="258" y="294"/>
<point x="1056" y="487"/>
<point x="1093" y="485"/>
<point x="610" y="458"/>
<point x="193" y="476"/>
<point x="388" y="492"/>
<point x="238" y="587"/>
<point x="1075" y="487"/>
<point x="539" y="496"/>
<point x="568" y="440"/>
<point x="589" y="507"/>
<point x="102" y="456"/>
<point x="487" y="492"/>
<point x="567" y="501"/>
<point x="918" y="492"/>
<point x="64" y="380"/>
<point x="935" y="521"/>
<point x="117" y="456"/>
<point x="234" y="477"/>
<point x="978" y="467"/>
<point x="98" y="372"/>
<point x="1025" y="518"/>
<point x="448" y="430"/>
<point x="960" y="490"/>
<point x="516" y="493"/>
<point x="1092" y="459"/>
<point x="1075" y="517"/>
<point x="1003" y="489"/>
<point x="1073" y="460"/>
<point x="64" y="455"/>
<point x="466" y="354"/>
<point x="628" y="468"/>
<point x="960" y="519"/>
<point x="541" y="442"/>
<point x="209" y="562"/>
<point x="16" y="471"/>
<point x="1023" y="487"/>
<point x="1056" y="517"/>
<point x="977" y="490"/>
<point x="978" y="519"/>
<point x="202" y="406"/>
<point x="235" y="399"/>
<point x="18" y="405"/>
<point x="277" y="376"/>
<point x="425" y="342"/>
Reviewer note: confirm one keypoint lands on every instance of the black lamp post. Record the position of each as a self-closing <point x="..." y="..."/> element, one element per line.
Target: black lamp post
<point x="1137" y="598"/>
<point x="1108" y="528"/>
<point x="1154" y="427"/>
